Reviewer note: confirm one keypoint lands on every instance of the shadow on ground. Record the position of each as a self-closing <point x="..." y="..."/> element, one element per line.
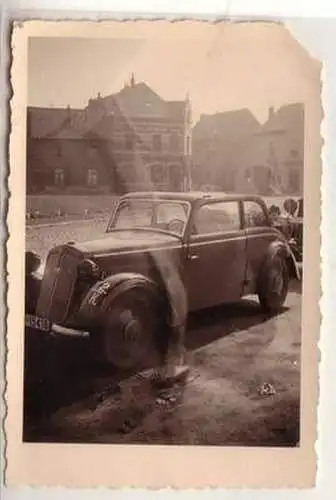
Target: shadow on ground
<point x="59" y="373"/>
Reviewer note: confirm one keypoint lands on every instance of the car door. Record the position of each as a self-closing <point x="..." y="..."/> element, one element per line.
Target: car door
<point x="259" y="235"/>
<point x="216" y="260"/>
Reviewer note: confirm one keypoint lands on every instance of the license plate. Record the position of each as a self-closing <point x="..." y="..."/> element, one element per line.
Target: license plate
<point x="32" y="321"/>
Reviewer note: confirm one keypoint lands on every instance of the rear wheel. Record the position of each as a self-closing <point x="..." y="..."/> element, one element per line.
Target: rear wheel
<point x="134" y="324"/>
<point x="273" y="284"/>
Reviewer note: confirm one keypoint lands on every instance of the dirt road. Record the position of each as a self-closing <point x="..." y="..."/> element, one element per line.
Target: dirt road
<point x="233" y="352"/>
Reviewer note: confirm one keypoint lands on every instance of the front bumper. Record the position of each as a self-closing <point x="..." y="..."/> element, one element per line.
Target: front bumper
<point x="43" y="324"/>
<point x="68" y="332"/>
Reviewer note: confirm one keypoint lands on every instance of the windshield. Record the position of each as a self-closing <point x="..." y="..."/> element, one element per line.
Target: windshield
<point x="162" y="215"/>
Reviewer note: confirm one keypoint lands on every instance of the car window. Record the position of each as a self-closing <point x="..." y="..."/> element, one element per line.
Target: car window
<point x="254" y="215"/>
<point x="141" y="214"/>
<point x="166" y="212"/>
<point x="134" y="214"/>
<point x="217" y="218"/>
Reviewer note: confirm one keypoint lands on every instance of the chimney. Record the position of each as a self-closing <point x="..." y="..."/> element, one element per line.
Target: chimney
<point x="68" y="115"/>
<point x="132" y="80"/>
<point x="271" y="112"/>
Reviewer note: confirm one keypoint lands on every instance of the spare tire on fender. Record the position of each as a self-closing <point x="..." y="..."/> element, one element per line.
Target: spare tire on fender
<point x="131" y="327"/>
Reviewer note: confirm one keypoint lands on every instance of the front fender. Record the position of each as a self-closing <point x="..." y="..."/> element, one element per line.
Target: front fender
<point x="278" y="247"/>
<point x="293" y="266"/>
<point x="92" y="306"/>
<point x="282" y="248"/>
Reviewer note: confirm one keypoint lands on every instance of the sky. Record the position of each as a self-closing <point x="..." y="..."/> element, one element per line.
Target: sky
<point x="237" y="66"/>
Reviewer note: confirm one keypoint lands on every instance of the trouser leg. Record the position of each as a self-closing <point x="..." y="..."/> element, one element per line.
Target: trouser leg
<point x="174" y="363"/>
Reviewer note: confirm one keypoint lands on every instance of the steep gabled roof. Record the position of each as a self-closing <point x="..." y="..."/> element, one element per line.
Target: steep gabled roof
<point x="43" y="122"/>
<point x="129" y="104"/>
<point x="139" y="100"/>
<point x="228" y="124"/>
<point x="290" y="116"/>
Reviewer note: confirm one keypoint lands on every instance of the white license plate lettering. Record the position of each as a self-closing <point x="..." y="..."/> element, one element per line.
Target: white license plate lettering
<point x="99" y="294"/>
<point x="32" y="321"/>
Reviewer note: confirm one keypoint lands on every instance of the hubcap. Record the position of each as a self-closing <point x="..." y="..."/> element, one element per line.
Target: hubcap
<point x="131" y="327"/>
<point x="132" y="331"/>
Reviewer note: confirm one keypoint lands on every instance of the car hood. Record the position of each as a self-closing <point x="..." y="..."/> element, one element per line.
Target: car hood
<point x="124" y="241"/>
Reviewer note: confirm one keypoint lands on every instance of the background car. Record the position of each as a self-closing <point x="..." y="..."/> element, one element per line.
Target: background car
<point x="290" y="223"/>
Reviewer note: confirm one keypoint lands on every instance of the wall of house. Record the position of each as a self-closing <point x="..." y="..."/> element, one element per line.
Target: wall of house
<point x="58" y="164"/>
<point x="268" y="158"/>
<point x="274" y="162"/>
<point x="106" y="149"/>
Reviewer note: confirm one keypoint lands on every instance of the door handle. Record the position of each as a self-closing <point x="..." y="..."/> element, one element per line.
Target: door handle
<point x="193" y="257"/>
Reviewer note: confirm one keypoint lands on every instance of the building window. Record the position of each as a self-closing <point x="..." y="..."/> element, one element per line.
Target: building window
<point x="262" y="178"/>
<point x="247" y="173"/>
<point x="176" y="176"/>
<point x="175" y="142"/>
<point x="129" y="142"/>
<point x="157" y="144"/>
<point x="59" y="177"/>
<point x="94" y="143"/>
<point x="294" y="180"/>
<point x="157" y="174"/>
<point x="92" y="177"/>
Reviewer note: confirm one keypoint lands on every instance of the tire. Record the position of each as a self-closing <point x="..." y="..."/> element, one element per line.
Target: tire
<point x="273" y="284"/>
<point x="133" y="328"/>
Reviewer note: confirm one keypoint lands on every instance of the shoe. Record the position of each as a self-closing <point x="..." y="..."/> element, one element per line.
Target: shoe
<point x="171" y="374"/>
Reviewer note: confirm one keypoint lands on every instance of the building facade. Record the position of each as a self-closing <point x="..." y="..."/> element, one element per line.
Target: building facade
<point x="132" y="140"/>
<point x="217" y="139"/>
<point x="232" y="151"/>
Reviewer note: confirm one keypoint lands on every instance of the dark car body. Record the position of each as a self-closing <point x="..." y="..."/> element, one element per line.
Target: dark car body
<point x="218" y="254"/>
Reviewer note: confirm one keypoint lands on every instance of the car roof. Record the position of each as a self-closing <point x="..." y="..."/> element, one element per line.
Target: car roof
<point x="190" y="196"/>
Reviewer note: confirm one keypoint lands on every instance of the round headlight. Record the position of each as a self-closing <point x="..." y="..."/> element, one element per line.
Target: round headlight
<point x="89" y="269"/>
<point x="33" y="262"/>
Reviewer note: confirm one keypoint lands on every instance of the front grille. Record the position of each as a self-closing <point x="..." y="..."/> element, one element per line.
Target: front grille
<point x="58" y="284"/>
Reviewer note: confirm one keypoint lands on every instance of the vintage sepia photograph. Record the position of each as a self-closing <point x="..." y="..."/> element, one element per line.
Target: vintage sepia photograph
<point x="165" y="217"/>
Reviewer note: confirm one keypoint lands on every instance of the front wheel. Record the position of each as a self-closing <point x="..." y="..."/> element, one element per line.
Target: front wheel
<point x="273" y="284"/>
<point x="133" y="323"/>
